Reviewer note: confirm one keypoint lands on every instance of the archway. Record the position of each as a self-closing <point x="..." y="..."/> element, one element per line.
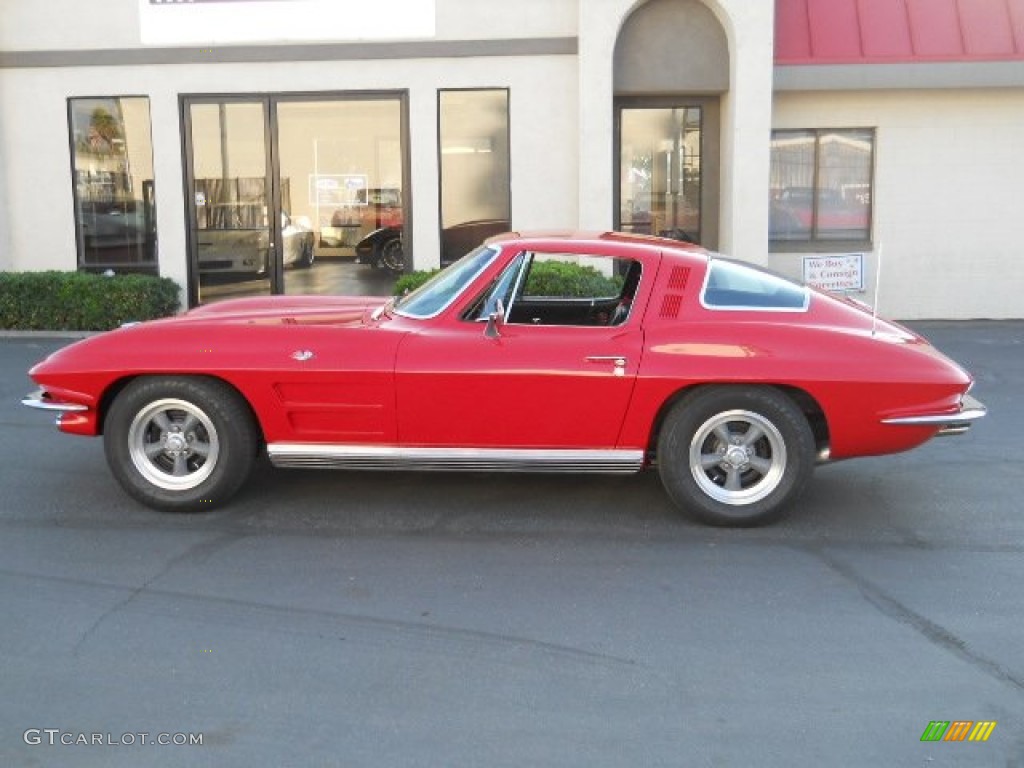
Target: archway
<point x="671" y="66"/>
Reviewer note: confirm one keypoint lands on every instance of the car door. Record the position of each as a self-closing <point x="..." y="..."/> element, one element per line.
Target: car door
<point x="541" y="379"/>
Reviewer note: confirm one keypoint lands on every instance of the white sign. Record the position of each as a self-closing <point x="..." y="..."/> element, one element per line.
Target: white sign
<point x="835" y="273"/>
<point x="209" y="22"/>
<point x="329" y="189"/>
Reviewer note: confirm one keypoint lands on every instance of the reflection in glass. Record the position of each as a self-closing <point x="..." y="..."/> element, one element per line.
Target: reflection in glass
<point x="232" y="224"/>
<point x="115" y="205"/>
<point x="435" y="295"/>
<point x="341" y="180"/>
<point x="474" y="172"/>
<point x="821" y="185"/>
<point x="660" y="172"/>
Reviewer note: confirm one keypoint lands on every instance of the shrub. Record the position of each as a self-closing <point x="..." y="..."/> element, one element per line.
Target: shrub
<point x="79" y="301"/>
<point x="558" y="278"/>
<point x="411" y="281"/>
<point x="547" y="278"/>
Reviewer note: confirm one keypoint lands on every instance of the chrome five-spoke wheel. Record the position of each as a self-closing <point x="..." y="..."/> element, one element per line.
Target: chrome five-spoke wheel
<point x="173" y="444"/>
<point x="735" y="455"/>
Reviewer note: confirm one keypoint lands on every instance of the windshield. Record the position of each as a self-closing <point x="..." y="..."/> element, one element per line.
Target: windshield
<point x="434" y="296"/>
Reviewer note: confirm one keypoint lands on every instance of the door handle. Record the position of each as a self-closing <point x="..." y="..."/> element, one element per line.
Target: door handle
<point x="619" y="361"/>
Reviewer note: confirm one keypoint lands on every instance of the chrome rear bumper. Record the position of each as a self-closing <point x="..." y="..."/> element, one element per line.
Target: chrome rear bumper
<point x="949" y="424"/>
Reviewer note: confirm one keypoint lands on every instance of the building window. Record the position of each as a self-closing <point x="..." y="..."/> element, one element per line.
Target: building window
<point x="660" y="179"/>
<point x="821" y="187"/>
<point x="474" y="168"/>
<point x="115" y="205"/>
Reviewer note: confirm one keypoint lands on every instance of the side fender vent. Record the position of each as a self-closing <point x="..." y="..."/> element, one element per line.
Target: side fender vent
<point x="678" y="278"/>
<point x="670" y="306"/>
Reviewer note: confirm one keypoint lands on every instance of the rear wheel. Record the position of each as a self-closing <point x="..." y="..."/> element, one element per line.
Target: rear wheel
<point x="180" y="444"/>
<point x="392" y="257"/>
<point x="735" y="456"/>
<point x="306" y="255"/>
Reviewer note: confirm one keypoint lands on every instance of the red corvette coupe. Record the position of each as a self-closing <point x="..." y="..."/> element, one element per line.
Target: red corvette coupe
<point x="541" y="353"/>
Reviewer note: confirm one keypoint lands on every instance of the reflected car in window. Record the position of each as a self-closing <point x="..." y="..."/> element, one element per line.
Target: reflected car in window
<point x="383" y="248"/>
<point x="582" y="353"/>
<point x="797" y="212"/>
<point x="246" y="252"/>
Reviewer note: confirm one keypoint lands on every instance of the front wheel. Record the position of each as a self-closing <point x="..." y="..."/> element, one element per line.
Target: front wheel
<point x="735" y="457"/>
<point x="180" y="444"/>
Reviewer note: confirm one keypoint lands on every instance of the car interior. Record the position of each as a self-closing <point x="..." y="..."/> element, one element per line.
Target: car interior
<point x="527" y="301"/>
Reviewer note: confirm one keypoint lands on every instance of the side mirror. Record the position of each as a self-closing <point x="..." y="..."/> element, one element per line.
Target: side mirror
<point x="494" y="321"/>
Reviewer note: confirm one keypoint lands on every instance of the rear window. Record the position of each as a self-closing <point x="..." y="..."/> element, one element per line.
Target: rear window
<point x="732" y="285"/>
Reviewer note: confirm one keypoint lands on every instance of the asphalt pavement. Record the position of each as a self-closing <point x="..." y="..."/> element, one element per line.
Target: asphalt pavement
<point x="390" y="619"/>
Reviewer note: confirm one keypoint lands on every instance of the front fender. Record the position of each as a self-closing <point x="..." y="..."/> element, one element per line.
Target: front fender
<point x="377" y="238"/>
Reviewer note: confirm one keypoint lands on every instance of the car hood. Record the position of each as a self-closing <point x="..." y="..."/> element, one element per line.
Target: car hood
<point x="284" y="310"/>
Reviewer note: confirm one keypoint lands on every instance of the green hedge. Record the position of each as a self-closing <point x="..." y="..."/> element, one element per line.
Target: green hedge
<point x="79" y="301"/>
<point x="571" y="281"/>
<point x="547" y="278"/>
<point x="411" y="281"/>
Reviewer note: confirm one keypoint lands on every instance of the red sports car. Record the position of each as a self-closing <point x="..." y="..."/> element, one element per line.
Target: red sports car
<point x="533" y="353"/>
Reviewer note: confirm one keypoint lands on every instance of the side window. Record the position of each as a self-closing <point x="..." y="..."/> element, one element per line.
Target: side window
<point x="730" y="285"/>
<point x="568" y="276"/>
<point x="574" y="289"/>
<point x="499" y="291"/>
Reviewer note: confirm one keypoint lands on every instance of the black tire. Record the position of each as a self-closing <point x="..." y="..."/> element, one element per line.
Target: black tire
<point x="180" y="444"/>
<point x="306" y="256"/>
<point x="766" y="451"/>
<point x="392" y="257"/>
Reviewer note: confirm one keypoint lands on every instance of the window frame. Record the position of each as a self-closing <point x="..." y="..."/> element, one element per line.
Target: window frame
<point x="813" y="243"/>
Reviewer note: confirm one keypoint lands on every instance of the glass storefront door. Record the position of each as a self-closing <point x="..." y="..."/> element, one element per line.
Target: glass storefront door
<point x="231" y="225"/>
<point x="284" y="188"/>
<point x="660" y="171"/>
<point x="340" y="170"/>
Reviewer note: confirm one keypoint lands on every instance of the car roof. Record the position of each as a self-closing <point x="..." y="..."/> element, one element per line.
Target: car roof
<point x="597" y="242"/>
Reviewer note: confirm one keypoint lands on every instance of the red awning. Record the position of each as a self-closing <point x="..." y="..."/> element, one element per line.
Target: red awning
<point x="891" y="31"/>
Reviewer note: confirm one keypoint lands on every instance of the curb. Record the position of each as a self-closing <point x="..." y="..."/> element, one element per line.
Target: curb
<point x="5" y="334"/>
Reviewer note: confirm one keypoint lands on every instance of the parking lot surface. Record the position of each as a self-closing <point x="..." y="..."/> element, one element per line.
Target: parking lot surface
<point x="389" y="619"/>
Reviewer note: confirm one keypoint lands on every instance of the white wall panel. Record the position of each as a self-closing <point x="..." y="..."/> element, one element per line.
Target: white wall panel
<point x="947" y="196"/>
<point x="33" y="119"/>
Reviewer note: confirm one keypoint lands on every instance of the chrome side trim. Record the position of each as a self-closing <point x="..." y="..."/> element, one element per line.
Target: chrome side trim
<point x="950" y="423"/>
<point x="39" y="401"/>
<point x="371" y="457"/>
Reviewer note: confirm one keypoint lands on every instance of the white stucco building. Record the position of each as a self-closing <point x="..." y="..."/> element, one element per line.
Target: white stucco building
<point x="210" y="140"/>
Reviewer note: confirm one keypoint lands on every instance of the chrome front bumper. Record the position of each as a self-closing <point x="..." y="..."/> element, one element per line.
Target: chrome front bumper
<point x="949" y="424"/>
<point x="40" y="400"/>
